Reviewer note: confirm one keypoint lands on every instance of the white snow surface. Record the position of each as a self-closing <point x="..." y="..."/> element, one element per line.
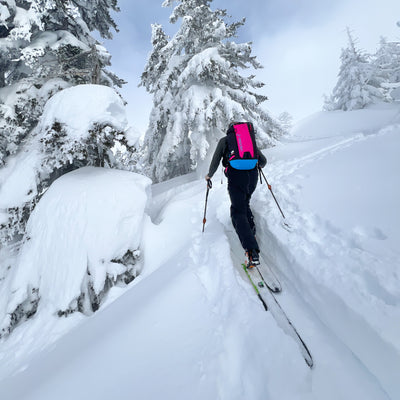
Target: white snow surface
<point x="191" y="326"/>
<point x="79" y="107"/>
<point x="85" y="219"/>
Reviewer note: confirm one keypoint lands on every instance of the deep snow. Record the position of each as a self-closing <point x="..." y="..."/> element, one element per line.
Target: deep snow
<point x="70" y="108"/>
<point x="86" y="219"/>
<point x="190" y="326"/>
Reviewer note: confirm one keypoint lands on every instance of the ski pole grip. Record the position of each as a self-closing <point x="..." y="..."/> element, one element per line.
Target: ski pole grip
<point x="209" y="183"/>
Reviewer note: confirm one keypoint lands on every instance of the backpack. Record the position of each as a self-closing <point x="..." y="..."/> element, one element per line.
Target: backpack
<point x="242" y="146"/>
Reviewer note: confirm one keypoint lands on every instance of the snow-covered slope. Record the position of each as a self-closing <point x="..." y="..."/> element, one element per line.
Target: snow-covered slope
<point x="337" y="178"/>
<point x="191" y="325"/>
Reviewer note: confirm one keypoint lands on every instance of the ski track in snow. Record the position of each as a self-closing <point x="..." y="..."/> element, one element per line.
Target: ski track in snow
<point x="341" y="312"/>
<point x="220" y="338"/>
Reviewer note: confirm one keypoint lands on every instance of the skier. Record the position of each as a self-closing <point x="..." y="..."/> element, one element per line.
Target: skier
<point x="241" y="168"/>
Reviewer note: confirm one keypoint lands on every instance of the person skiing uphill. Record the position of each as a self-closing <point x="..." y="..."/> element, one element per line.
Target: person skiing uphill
<point x="241" y="159"/>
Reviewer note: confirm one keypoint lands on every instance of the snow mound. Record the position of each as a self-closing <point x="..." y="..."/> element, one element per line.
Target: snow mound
<point x="86" y="221"/>
<point x="336" y="123"/>
<point x="80" y="126"/>
<point x="82" y="106"/>
<point x="78" y="109"/>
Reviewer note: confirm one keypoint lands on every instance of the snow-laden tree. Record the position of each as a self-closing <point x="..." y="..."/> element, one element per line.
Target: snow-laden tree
<point x="286" y="120"/>
<point x="80" y="126"/>
<point x="196" y="78"/>
<point x="387" y="66"/>
<point x="387" y="58"/>
<point x="358" y="82"/>
<point x="45" y="46"/>
<point x="157" y="62"/>
<point x="85" y="123"/>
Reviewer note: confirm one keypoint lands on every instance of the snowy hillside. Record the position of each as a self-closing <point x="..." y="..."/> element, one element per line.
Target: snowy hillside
<point x="190" y="326"/>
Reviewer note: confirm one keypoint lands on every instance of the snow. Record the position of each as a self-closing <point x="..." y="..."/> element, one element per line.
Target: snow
<point x="18" y="180"/>
<point x="191" y="326"/>
<point x="78" y="109"/>
<point x="81" y="106"/>
<point x="50" y="40"/>
<point x="4" y="14"/>
<point x="340" y="193"/>
<point x="86" y="219"/>
<point x="187" y="362"/>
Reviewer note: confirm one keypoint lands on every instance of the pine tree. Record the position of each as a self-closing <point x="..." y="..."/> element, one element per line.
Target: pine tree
<point x="46" y="46"/>
<point x="387" y="65"/>
<point x="286" y="120"/>
<point x="46" y="54"/>
<point x="157" y="61"/>
<point x="198" y="89"/>
<point x="358" y="84"/>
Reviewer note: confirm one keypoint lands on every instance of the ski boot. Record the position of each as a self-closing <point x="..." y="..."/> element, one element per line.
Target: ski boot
<point x="252" y="258"/>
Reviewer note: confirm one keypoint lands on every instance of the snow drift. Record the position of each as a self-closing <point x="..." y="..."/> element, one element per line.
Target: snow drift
<point x="82" y="106"/>
<point x="77" y="238"/>
<point x="79" y="127"/>
<point x="77" y="109"/>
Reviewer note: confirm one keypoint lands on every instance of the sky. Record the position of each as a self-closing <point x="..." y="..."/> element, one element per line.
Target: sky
<point x="297" y="41"/>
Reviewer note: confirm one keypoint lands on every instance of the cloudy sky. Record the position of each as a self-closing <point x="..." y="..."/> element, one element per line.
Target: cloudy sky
<point x="297" y="41"/>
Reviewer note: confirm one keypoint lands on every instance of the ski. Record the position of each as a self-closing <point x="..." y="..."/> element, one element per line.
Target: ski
<point x="269" y="277"/>
<point x="266" y="296"/>
<point x="257" y="285"/>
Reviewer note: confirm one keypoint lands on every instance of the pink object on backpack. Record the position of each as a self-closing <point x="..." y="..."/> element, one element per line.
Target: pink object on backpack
<point x="243" y="138"/>
<point x="242" y="146"/>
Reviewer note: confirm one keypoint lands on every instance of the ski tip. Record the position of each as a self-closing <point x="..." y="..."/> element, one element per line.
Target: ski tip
<point x="276" y="289"/>
<point x="287" y="227"/>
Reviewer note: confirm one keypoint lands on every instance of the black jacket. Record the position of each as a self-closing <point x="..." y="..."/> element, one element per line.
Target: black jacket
<point x="222" y="152"/>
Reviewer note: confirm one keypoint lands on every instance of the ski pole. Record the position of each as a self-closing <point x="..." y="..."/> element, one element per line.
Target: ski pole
<point x="209" y="186"/>
<point x="270" y="188"/>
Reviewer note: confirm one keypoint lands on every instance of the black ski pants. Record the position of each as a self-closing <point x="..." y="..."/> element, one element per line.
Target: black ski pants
<point x="241" y="185"/>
